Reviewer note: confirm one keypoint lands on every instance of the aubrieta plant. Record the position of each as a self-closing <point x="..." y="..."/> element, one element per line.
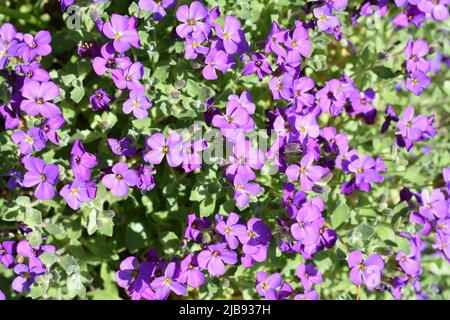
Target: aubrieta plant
<point x="251" y="149"/>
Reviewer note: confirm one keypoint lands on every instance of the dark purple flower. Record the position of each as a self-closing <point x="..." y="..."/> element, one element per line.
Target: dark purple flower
<point x="25" y="277"/>
<point x="146" y="181"/>
<point x="194" y="225"/>
<point x="25" y="250"/>
<point x="258" y="65"/>
<point x="122" y="147"/>
<point x="107" y="61"/>
<point x="100" y="100"/>
<point x="7" y="251"/>
<point x="51" y="126"/>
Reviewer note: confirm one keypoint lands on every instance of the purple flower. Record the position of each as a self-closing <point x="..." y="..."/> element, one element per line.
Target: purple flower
<point x="38" y="45"/>
<point x="244" y="159"/>
<point x="214" y="257"/>
<point x="50" y="128"/>
<point x="26" y="277"/>
<point x="412" y="128"/>
<point x="38" y="97"/>
<point x="172" y="149"/>
<point x="120" y="179"/>
<point x="231" y="35"/>
<point x="255" y="241"/>
<point x="191" y="19"/>
<point x="190" y="272"/>
<point x="368" y="271"/>
<point x="437" y="8"/>
<point x="7" y="251"/>
<point x="81" y="161"/>
<point x="365" y="172"/>
<point x="191" y="155"/>
<point x="308" y="275"/>
<point x="302" y="93"/>
<point x="108" y="60"/>
<point x="414" y="52"/>
<point x="446" y="177"/>
<point x="133" y="276"/>
<point x="163" y="285"/>
<point x="11" y="116"/>
<point x="8" y="34"/>
<point x="138" y="104"/>
<point x="309" y="223"/>
<point x="417" y="82"/>
<point x="258" y="65"/>
<point x="33" y="71"/>
<point x="267" y="285"/>
<point x="299" y="42"/>
<point x="2" y="296"/>
<point x="29" y="141"/>
<point x="325" y="21"/>
<point x="129" y="77"/>
<point x="194" y="45"/>
<point x="281" y="89"/>
<point x="146" y="181"/>
<point x="408" y="263"/>
<point x="232" y="229"/>
<point x="100" y="100"/>
<point x="194" y="225"/>
<point x="122" y="31"/>
<point x="434" y="206"/>
<point x="216" y="60"/>
<point x="157" y="7"/>
<point x="307" y="173"/>
<point x="32" y="253"/>
<point x="43" y="175"/>
<point x="122" y="147"/>
<point x="311" y="295"/>
<point x="233" y="120"/>
<point x="307" y="126"/>
<point x="332" y="97"/>
<point x="79" y="192"/>
<point x="242" y="190"/>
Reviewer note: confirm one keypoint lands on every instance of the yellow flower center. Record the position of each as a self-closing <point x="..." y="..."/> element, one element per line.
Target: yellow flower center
<point x="39" y="101"/>
<point x="191" y="22"/>
<point x="29" y="139"/>
<point x="117" y="36"/>
<point x="119" y="177"/>
<point x="323" y="17"/>
<point x="74" y="191"/>
<point x="240" y="188"/>
<point x="227" y="230"/>
<point x="226" y="35"/>
<point x="43" y="177"/>
<point x="165" y="149"/>
<point x="167" y="281"/>
<point x="294" y="44"/>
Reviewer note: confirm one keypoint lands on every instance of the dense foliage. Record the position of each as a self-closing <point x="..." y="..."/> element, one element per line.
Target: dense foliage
<point x="215" y="149"/>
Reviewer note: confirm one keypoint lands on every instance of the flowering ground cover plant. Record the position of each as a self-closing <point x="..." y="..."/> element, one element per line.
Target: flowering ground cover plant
<point x="251" y="149"/>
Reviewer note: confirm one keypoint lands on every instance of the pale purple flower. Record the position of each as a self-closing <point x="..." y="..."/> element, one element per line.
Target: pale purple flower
<point x="158" y="7"/>
<point x="242" y="189"/>
<point x="40" y="174"/>
<point x="194" y="45"/>
<point x="122" y="30"/>
<point x="192" y="159"/>
<point x="231" y="35"/>
<point x="129" y="78"/>
<point x="367" y="271"/>
<point x="120" y="179"/>
<point x="108" y="61"/>
<point x="190" y="272"/>
<point x="244" y="159"/>
<point x="303" y="96"/>
<point x="138" y="104"/>
<point x="79" y="192"/>
<point x="309" y="222"/>
<point x="25" y="250"/>
<point x="81" y="161"/>
<point x="122" y="147"/>
<point x="146" y="181"/>
<point x="307" y="126"/>
<point x="51" y="126"/>
<point x="437" y="8"/>
<point x="325" y="21"/>
<point x="308" y="275"/>
<point x="216" y="60"/>
<point x="169" y="282"/>
<point x="267" y="285"/>
<point x="258" y="65"/>
<point x="30" y="141"/>
<point x="308" y="174"/>
<point x="231" y="229"/>
<point x="414" y="52"/>
<point x="172" y="149"/>
<point x="434" y="205"/>
<point x="214" y="257"/>
<point x="310" y="295"/>
<point x="38" y="97"/>
<point x="38" y="45"/>
<point x="191" y="18"/>
<point x="417" y="82"/>
<point x="408" y="263"/>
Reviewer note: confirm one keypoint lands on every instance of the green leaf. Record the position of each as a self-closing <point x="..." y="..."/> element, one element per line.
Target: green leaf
<point x="340" y="215"/>
<point x="384" y="72"/>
